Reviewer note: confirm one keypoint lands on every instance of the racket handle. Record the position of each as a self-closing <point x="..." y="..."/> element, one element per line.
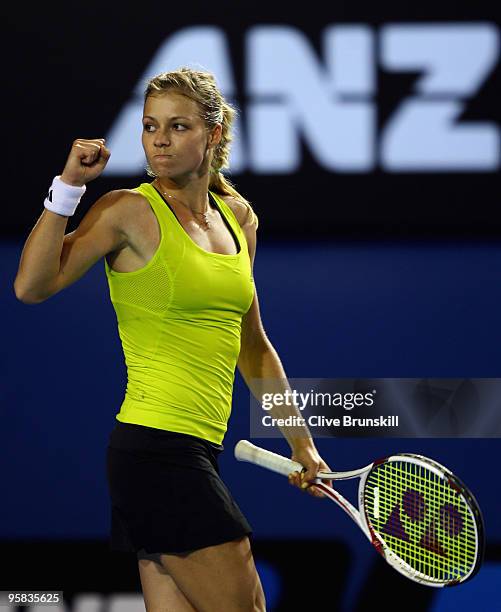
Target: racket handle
<point x="246" y="451"/>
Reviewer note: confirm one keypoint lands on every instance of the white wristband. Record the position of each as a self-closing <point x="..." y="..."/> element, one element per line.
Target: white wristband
<point x="62" y="198"/>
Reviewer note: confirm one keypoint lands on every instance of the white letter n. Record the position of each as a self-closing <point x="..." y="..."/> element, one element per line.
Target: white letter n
<point x="293" y="96"/>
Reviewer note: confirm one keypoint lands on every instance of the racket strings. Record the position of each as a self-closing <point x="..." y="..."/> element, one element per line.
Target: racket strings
<point x="422" y="519"/>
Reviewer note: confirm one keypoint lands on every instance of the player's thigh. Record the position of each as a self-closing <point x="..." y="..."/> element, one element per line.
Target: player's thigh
<point x="216" y="578"/>
<point x="160" y="592"/>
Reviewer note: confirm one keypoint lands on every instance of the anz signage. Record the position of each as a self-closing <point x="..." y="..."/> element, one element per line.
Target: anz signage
<point x="329" y="103"/>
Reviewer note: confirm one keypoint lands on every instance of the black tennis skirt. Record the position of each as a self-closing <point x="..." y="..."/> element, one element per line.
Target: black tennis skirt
<point x="166" y="492"/>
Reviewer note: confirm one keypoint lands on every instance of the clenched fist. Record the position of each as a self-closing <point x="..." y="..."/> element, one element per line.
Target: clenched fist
<point x="86" y="161"/>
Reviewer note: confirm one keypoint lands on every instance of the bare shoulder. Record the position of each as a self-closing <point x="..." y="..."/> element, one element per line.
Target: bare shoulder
<point x="121" y="213"/>
<point x="242" y="211"/>
<point x="125" y="200"/>
<point x="123" y="206"/>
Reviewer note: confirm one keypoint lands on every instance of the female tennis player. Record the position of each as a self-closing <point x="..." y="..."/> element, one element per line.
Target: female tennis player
<point x="178" y="255"/>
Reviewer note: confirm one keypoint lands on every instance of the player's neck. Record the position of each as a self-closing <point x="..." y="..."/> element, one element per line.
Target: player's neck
<point x="192" y="194"/>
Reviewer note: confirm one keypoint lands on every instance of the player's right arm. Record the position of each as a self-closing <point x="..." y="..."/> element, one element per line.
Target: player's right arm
<point x="51" y="260"/>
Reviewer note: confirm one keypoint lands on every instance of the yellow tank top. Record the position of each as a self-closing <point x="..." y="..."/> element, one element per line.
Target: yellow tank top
<point x="179" y="320"/>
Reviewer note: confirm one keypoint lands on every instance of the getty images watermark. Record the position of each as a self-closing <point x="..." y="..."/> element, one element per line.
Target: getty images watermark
<point x="383" y="407"/>
<point x="302" y="401"/>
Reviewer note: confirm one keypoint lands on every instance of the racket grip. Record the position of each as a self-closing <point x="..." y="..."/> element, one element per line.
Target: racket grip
<point x="246" y="451"/>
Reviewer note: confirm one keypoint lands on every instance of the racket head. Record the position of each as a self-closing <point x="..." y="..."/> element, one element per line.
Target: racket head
<point x="423" y="519"/>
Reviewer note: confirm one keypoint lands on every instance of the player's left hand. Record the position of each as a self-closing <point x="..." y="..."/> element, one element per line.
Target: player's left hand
<point x="308" y="457"/>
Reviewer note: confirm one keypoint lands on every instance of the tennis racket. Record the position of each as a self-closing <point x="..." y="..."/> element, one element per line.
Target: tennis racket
<point x="418" y="515"/>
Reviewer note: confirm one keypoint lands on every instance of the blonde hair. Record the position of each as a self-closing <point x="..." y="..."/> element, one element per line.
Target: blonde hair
<point x="201" y="87"/>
